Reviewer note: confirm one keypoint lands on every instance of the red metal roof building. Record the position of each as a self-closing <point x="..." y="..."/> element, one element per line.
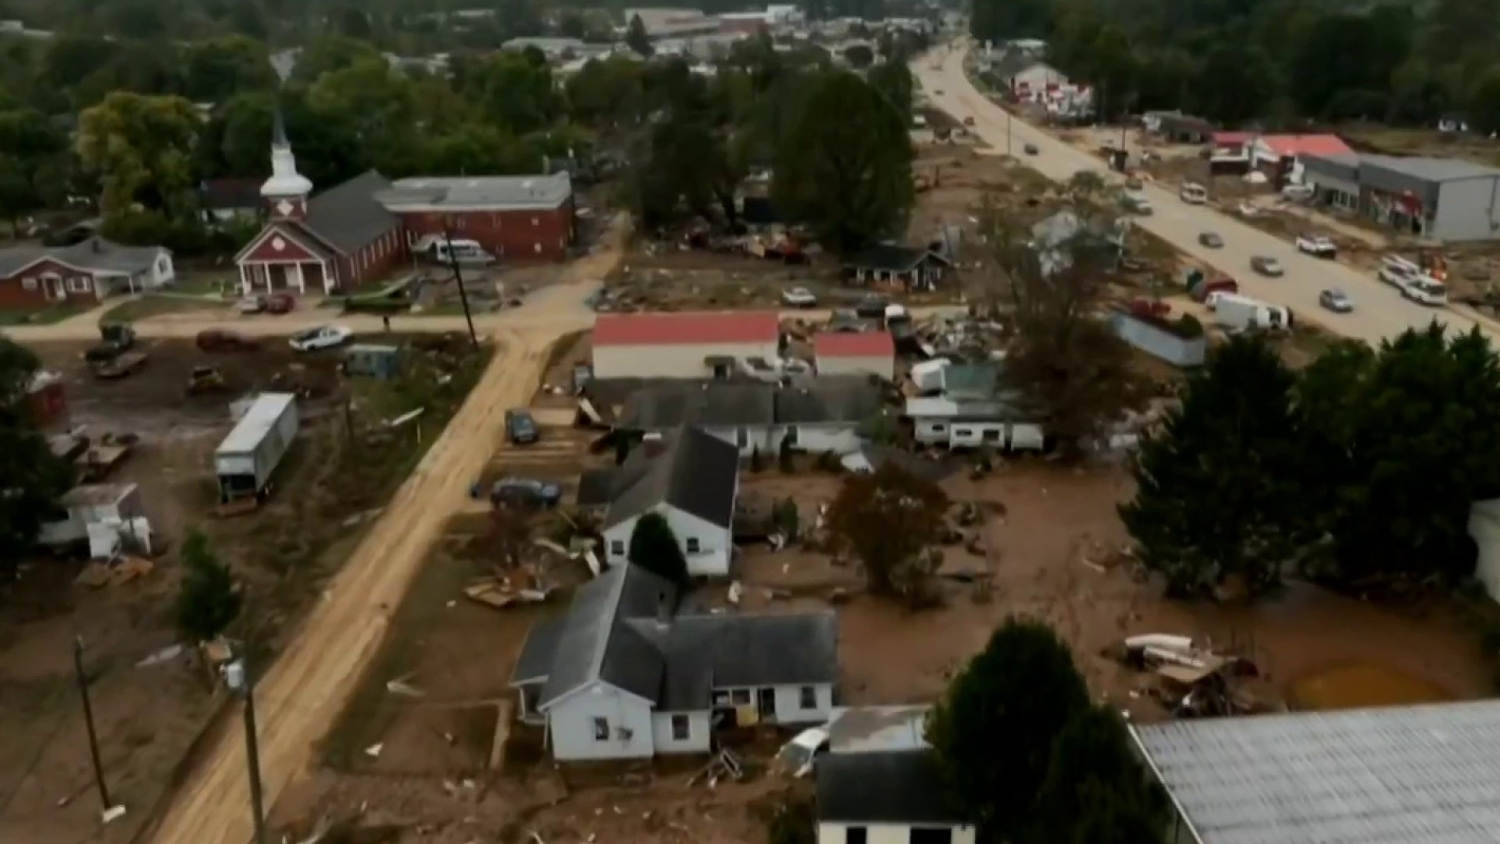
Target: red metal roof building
<point x="687" y="344"/>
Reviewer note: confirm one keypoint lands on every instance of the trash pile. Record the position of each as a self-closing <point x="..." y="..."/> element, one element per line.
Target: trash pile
<point x="1194" y="680"/>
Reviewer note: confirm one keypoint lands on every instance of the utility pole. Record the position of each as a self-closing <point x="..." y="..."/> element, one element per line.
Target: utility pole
<point x="1007" y="132"/>
<point x="458" y="277"/>
<point x="237" y="677"/>
<point x="106" y="805"/>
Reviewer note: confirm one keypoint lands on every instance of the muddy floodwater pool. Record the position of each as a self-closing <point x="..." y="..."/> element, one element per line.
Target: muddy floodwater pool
<point x="1361" y="684"/>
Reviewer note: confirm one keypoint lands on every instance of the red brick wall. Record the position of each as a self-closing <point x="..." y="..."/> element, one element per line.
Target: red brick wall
<point x="13" y="293"/>
<point x="508" y="235"/>
<point x="375" y="260"/>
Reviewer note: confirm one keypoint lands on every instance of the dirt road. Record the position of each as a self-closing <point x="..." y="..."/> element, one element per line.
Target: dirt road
<point x="303" y="691"/>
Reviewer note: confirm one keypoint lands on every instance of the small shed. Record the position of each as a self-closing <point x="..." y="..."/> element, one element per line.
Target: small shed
<point x="375" y="360"/>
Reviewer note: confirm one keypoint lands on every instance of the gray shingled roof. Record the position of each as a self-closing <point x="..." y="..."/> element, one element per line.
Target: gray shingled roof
<point x="480" y="192"/>
<point x="698" y="403"/>
<point x="887" y="256"/>
<point x="696" y="472"/>
<point x="850" y="398"/>
<point x="348" y="216"/>
<point x="95" y="254"/>
<point x="535" y="661"/>
<point x="899" y="786"/>
<point x="590" y="646"/>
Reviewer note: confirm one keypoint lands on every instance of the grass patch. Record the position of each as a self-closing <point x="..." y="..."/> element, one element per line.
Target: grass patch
<point x="45" y="315"/>
<point x="150" y="306"/>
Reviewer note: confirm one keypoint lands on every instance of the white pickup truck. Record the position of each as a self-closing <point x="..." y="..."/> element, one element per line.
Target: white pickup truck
<point x="1412" y="282"/>
<point x="1317" y="245"/>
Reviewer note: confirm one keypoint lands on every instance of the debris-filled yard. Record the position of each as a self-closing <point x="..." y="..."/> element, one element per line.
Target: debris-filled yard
<point x="159" y="426"/>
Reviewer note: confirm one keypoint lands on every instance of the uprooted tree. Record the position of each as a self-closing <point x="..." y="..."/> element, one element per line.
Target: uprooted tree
<point x="1023" y="693"/>
<point x="653" y="547"/>
<point x="1052" y="282"/>
<point x="889" y="519"/>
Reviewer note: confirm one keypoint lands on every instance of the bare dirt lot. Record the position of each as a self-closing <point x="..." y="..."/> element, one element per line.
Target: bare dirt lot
<point x="340" y="471"/>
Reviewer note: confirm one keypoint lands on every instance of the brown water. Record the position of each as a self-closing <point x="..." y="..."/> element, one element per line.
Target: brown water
<point x="1361" y="684"/>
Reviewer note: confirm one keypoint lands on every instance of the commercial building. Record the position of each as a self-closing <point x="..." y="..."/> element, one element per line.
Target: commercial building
<point x="1425" y="773"/>
<point x="686" y="344"/>
<point x="1445" y="199"/>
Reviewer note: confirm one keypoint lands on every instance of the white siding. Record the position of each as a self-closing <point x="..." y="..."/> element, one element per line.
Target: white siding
<point x="671" y="360"/>
<point x="834" y="832"/>
<point x="1468" y="209"/>
<point x="571" y="724"/>
<point x="1484" y="526"/>
<point x="837" y="437"/>
<point x="698" y="732"/>
<point x="1018" y="436"/>
<point x="714" y="542"/>
<point x="789" y="702"/>
<point x="882" y="365"/>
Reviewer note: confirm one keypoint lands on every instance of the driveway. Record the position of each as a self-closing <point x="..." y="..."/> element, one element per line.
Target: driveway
<point x="1379" y="312"/>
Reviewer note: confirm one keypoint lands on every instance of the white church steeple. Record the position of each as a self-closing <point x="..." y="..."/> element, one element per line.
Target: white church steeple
<point x="286" y="191"/>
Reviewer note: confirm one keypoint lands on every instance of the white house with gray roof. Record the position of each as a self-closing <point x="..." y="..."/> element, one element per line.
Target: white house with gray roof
<point x="624" y="675"/>
<point x="691" y="479"/>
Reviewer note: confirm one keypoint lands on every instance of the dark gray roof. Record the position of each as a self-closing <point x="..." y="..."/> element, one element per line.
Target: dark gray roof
<point x="887" y="256"/>
<point x="899" y="786"/>
<point x="1429" y="168"/>
<point x="705" y="403"/>
<point x="348" y="216"/>
<point x="695" y="472"/>
<point x="94" y="254"/>
<point x="585" y="649"/>
<point x="1015" y="62"/>
<point x="851" y="398"/>
<point x="535" y="661"/>
<point x="596" y="486"/>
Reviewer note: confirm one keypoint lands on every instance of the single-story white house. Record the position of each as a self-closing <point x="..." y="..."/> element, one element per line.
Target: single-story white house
<point x="625" y="675"/>
<point x="103" y="515"/>
<point x="691" y="478"/>
<point x="685" y="344"/>
<point x="971" y="411"/>
<point x="886" y="797"/>
<point x="855" y="353"/>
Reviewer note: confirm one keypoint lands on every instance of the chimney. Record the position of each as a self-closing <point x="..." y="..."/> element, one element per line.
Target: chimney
<point x="663" y="610"/>
<point x="98" y="247"/>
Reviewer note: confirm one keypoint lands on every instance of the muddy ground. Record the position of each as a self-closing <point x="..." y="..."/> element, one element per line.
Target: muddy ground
<point x="1053" y="551"/>
<point x="332" y="480"/>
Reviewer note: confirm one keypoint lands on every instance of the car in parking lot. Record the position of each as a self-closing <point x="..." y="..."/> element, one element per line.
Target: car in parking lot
<point x="525" y="492"/>
<point x="1334" y="299"/>
<point x="1212" y="240"/>
<point x="798" y="297"/>
<point x="1029" y="149"/>
<point x="520" y="427"/>
<point x="1317" y="245"/>
<point x="322" y="337"/>
<point x="871" y="307"/>
<point x="250" y="304"/>
<point x="1266" y="265"/>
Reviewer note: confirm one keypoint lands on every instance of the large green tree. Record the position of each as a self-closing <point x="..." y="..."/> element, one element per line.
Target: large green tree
<point x="141" y="148"/>
<point x="845" y="165"/>
<point x="31" y="478"/>
<point x="1095" y="790"/>
<point x="208" y="599"/>
<point x="1219" y="490"/>
<point x="34" y="165"/>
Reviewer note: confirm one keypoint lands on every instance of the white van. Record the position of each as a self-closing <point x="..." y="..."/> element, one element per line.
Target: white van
<point x="1408" y="278"/>
<point x="1193" y="193"/>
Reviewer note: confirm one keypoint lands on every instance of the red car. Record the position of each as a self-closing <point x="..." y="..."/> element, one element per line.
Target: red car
<point x="280" y="303"/>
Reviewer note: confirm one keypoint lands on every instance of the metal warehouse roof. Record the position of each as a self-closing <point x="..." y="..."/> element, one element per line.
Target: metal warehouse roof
<point x="258" y="419"/>
<point x="1426" y="773"/>
<point x="845" y="344"/>
<point x="687" y="327"/>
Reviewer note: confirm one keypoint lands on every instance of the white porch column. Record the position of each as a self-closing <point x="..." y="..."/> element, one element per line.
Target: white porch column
<point x="244" y="280"/>
<point x="301" y="281"/>
<point x="327" y="278"/>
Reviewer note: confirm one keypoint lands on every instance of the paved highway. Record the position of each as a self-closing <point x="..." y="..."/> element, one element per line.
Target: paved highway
<point x="1379" y="310"/>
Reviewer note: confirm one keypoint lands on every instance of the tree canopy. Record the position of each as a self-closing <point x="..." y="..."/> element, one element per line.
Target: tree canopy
<point x="208" y="600"/>
<point x="141" y="148"/>
<point x="888" y="518"/>
<point x="32" y="477"/>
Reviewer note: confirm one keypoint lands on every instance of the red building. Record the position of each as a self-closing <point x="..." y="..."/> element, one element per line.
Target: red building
<point x="360" y="230"/>
<point x="36" y="276"/>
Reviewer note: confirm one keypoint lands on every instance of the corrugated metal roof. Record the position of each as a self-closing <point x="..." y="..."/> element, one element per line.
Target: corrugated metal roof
<point x="258" y="419"/>
<point x="687" y="327"/>
<point x="1400" y="774"/>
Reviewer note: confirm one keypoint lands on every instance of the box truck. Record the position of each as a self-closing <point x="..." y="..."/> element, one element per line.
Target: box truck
<point x="246" y="458"/>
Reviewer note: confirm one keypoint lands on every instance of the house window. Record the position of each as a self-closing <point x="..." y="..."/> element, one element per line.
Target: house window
<point x="808" y="697"/>
<point x="680" y="728"/>
<point x="791" y="435"/>
<point x="741" y="437"/>
<point x="617" y="547"/>
<point x="161" y="266"/>
<point x="931" y="835"/>
<point x="535" y="221"/>
<point x="537" y="247"/>
<point x="692" y="544"/>
<point x="28" y="283"/>
<point x="462" y="221"/>
<point x="938" y="427"/>
<point x="963" y="432"/>
<point x="79" y="284"/>
<point x="739" y="697"/>
<point x="601" y="729"/>
<point x="855" y="835"/>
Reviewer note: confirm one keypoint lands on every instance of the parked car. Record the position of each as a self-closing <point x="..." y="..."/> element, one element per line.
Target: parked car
<point x="845" y="321"/>
<point x="1211" y="240"/>
<point x="1266" y="265"/>
<point x="871" y="307"/>
<point x="1297" y="193"/>
<point x="1317" y="245"/>
<point x="798" y="297"/>
<point x="1029" y="149"/>
<point x="969" y="120"/>
<point x="1136" y="204"/>
<point x="796" y="757"/>
<point x="280" y="303"/>
<point x="219" y="340"/>
<point x="525" y="492"/>
<point x="1248" y="210"/>
<point x="322" y="337"/>
<point x="251" y="304"/>
<point x="1333" y="299"/>
<point x="520" y="427"/>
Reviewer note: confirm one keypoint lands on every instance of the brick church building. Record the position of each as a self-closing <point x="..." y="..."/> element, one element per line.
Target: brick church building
<point x="365" y="228"/>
